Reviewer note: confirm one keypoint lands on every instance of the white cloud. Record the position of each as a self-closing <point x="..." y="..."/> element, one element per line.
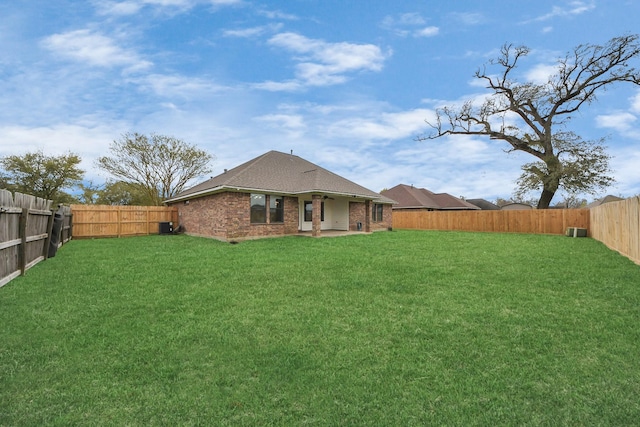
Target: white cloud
<point x="572" y="8"/>
<point x="245" y="32"/>
<point x="131" y="7"/>
<point x="410" y="19"/>
<point x="405" y="24"/>
<point x="394" y="23"/>
<point x="321" y="63"/>
<point x="179" y="86"/>
<point x="458" y="165"/>
<point x="122" y="8"/>
<point x="290" y="121"/>
<point x="427" y="32"/>
<point x="252" y="32"/>
<point x="385" y="126"/>
<point x="622" y="122"/>
<point x="86" y="137"/>
<point x="540" y="73"/>
<point x="95" y="49"/>
<point x="635" y="103"/>
<point x="286" y="86"/>
<point x="292" y="124"/>
<point x="276" y="14"/>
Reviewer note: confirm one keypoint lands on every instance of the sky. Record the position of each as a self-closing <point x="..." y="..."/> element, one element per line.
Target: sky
<point x="345" y="84"/>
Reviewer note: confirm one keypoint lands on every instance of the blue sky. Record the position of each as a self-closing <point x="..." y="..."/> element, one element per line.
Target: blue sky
<point x="344" y="84"/>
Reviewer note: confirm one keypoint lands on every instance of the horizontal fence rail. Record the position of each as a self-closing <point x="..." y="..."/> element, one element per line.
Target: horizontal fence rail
<point x="617" y="225"/>
<point x="94" y="221"/>
<point x="533" y="221"/>
<point x="25" y="231"/>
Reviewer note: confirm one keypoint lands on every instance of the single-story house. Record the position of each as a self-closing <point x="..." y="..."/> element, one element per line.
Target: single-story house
<point x="516" y="207"/>
<point x="279" y="194"/>
<point x="409" y="197"/>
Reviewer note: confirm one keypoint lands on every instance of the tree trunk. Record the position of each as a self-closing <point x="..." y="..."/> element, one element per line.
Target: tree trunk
<point x="545" y="198"/>
<point x="550" y="180"/>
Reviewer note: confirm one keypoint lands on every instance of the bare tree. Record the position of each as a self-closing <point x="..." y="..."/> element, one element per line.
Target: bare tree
<point x="161" y="165"/>
<point x="532" y="117"/>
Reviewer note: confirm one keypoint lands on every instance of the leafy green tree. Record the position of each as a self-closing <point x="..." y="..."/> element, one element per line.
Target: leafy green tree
<point x="89" y="193"/>
<point x="123" y="193"/>
<point x="42" y="175"/>
<point x="532" y="117"/>
<point x="161" y="165"/>
<point x="583" y="168"/>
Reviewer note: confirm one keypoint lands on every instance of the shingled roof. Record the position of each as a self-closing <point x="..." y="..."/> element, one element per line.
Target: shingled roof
<point x="483" y="204"/>
<point x="410" y="197"/>
<point x="276" y="172"/>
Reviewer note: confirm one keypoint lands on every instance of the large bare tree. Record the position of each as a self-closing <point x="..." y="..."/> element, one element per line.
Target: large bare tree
<point x="161" y="165"/>
<point x="533" y="117"/>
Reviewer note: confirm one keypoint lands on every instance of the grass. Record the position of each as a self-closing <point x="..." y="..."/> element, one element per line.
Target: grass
<point x="402" y="328"/>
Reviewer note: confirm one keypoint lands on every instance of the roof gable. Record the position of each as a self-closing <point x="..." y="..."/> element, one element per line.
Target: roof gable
<point x="278" y="172"/>
<point x="410" y="197"/>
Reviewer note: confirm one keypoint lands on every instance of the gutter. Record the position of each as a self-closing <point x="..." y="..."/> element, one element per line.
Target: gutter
<point x="264" y="190"/>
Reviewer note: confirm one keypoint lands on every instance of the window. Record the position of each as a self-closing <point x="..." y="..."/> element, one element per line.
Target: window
<point x="377" y="212"/>
<point x="276" y="209"/>
<point x="308" y="211"/>
<point x="258" y="209"/>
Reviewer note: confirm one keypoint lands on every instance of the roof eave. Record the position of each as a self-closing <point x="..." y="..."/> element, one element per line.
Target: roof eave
<point x="223" y="188"/>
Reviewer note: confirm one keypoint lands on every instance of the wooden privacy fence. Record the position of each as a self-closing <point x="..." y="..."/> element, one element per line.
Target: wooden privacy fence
<point x="617" y="225"/>
<point x="92" y="221"/>
<point x="25" y="229"/>
<point x="533" y="221"/>
<point x="66" y="231"/>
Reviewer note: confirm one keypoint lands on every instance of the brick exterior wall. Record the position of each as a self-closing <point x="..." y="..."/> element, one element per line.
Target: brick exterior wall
<point x="227" y="216"/>
<point x="316" y="215"/>
<point x="387" y="219"/>
<point x="358" y="213"/>
<point x="205" y="216"/>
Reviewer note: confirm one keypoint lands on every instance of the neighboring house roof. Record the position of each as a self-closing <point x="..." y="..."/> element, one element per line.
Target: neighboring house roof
<point x="516" y="207"/>
<point x="483" y="204"/>
<point x="606" y="199"/>
<point x="410" y="197"/>
<point x="276" y="172"/>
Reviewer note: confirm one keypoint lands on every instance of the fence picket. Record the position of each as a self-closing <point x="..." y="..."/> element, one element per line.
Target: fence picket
<point x="617" y="225"/>
<point x="94" y="221"/>
<point x="543" y="221"/>
<point x="23" y="232"/>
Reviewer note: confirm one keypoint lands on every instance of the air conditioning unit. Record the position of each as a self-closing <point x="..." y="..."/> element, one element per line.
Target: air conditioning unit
<point x="165" y="227"/>
<point x="576" y="232"/>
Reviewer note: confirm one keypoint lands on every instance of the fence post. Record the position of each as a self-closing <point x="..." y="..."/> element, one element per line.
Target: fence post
<point x="119" y="220"/>
<point x="70" y="235"/>
<point x="45" y="250"/>
<point x="22" y="233"/>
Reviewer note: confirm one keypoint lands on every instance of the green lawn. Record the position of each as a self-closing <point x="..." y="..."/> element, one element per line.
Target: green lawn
<point x="401" y="328"/>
